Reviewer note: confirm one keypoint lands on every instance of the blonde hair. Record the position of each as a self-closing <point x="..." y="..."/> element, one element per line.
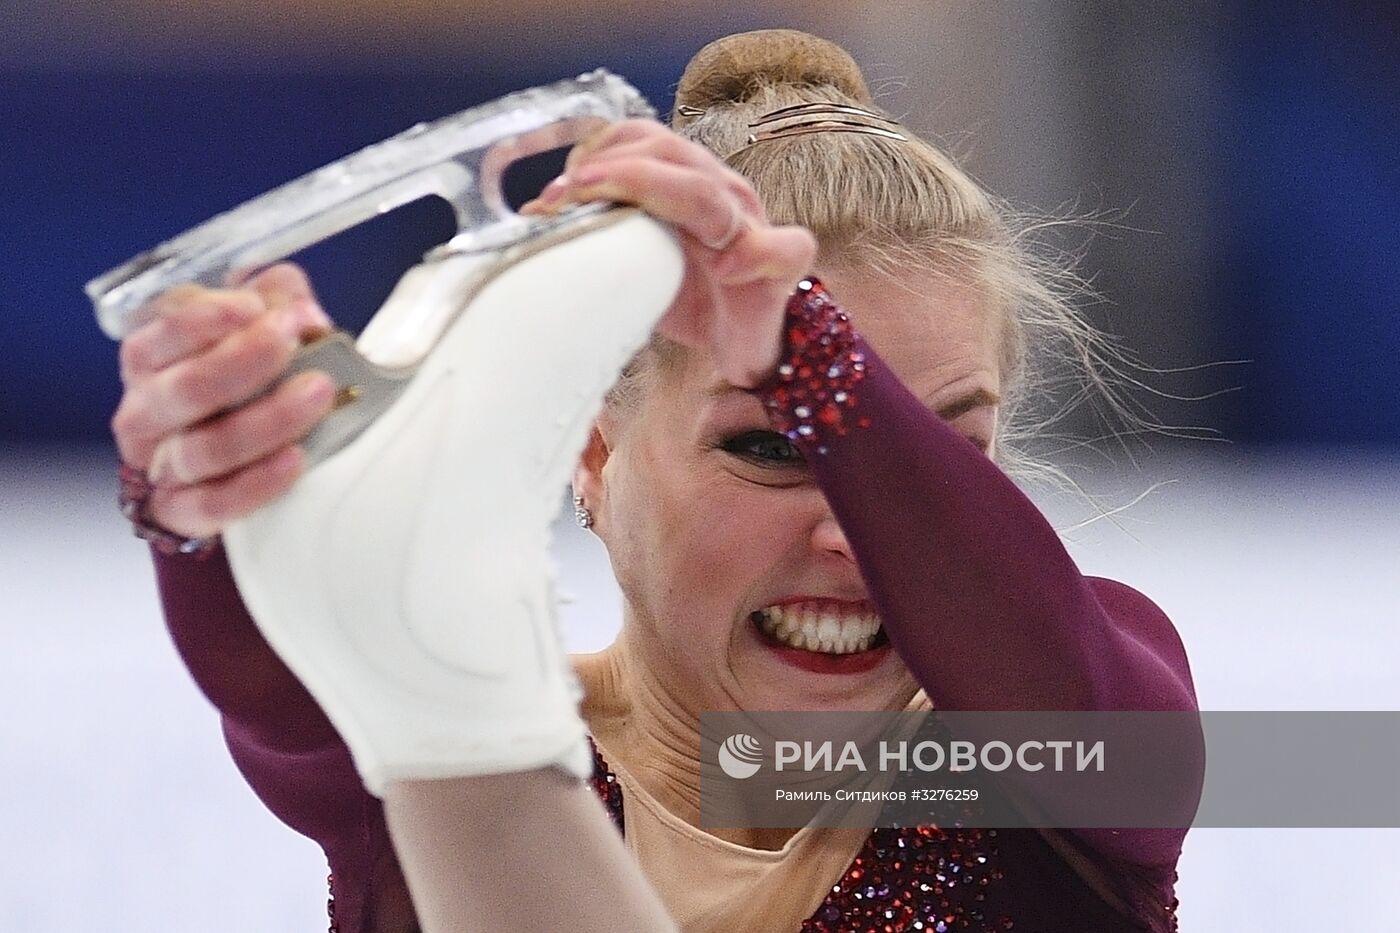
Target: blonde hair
<point x="891" y="204"/>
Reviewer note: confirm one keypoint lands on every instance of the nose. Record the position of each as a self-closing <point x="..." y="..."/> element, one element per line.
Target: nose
<point x="827" y="537"/>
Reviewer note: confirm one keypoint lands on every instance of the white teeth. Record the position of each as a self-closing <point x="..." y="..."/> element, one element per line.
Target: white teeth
<point x="818" y="629"/>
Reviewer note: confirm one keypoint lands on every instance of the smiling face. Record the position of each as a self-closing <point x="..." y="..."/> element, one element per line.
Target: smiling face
<point x="740" y="589"/>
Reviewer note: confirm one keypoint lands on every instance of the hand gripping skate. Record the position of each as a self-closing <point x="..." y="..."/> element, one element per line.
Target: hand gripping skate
<point x="406" y="578"/>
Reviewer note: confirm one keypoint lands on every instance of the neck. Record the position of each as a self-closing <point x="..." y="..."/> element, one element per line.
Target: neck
<point x="654" y="734"/>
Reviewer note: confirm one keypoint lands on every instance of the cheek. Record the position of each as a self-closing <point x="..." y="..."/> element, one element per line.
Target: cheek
<point x="693" y="543"/>
<point x="663" y="539"/>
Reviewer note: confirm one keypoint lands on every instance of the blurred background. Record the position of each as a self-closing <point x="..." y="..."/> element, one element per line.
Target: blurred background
<point x="1243" y="157"/>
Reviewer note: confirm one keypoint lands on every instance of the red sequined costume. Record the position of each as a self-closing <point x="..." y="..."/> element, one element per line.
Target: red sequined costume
<point x="976" y="635"/>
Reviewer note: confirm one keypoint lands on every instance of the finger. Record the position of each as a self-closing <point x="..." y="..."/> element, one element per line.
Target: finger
<point x="663" y="146"/>
<point x="749" y="333"/>
<point x="774" y="254"/>
<point x="674" y="150"/>
<point x="648" y="140"/>
<point x="613" y="134"/>
<point x="682" y="196"/>
<point x="207" y="508"/>
<point x="188" y="319"/>
<point x="179" y="396"/>
<point x="230" y="442"/>
<point x="751" y="311"/>
<point x="689" y="318"/>
<point x="285" y="286"/>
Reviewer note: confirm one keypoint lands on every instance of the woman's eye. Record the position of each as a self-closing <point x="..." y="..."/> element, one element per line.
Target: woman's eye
<point x="767" y="447"/>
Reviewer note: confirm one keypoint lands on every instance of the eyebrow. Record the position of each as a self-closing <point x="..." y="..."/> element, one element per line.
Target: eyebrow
<point x="948" y="411"/>
<point x="961" y="406"/>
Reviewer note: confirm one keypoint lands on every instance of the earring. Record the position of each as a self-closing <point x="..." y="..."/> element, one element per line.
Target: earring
<point x="582" y="516"/>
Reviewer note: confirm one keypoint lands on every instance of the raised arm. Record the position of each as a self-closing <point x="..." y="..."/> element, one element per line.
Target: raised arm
<point x="973" y="585"/>
<point x="976" y="590"/>
<point x="282" y="743"/>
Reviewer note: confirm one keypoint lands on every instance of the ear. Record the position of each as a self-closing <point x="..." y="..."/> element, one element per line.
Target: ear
<point x="588" y="474"/>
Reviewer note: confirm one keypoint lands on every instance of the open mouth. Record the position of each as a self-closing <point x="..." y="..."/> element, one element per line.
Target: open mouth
<point x="817" y="629"/>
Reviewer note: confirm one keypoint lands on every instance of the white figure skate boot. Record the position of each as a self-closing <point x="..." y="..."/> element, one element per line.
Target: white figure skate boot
<point x="406" y="578"/>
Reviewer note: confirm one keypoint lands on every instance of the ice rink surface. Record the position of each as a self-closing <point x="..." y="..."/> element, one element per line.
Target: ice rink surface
<point x="120" y="810"/>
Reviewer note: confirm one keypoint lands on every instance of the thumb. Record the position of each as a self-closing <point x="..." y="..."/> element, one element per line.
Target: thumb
<point x="286" y="287"/>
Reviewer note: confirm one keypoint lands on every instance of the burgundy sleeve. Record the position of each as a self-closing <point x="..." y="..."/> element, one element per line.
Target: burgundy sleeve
<point x="280" y="739"/>
<point x="974" y="587"/>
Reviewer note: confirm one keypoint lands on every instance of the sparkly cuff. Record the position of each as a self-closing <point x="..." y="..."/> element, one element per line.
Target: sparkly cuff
<point x="134" y="498"/>
<point x="811" y="398"/>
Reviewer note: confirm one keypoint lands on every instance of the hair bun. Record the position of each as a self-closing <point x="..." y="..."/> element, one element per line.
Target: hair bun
<point x="733" y="69"/>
